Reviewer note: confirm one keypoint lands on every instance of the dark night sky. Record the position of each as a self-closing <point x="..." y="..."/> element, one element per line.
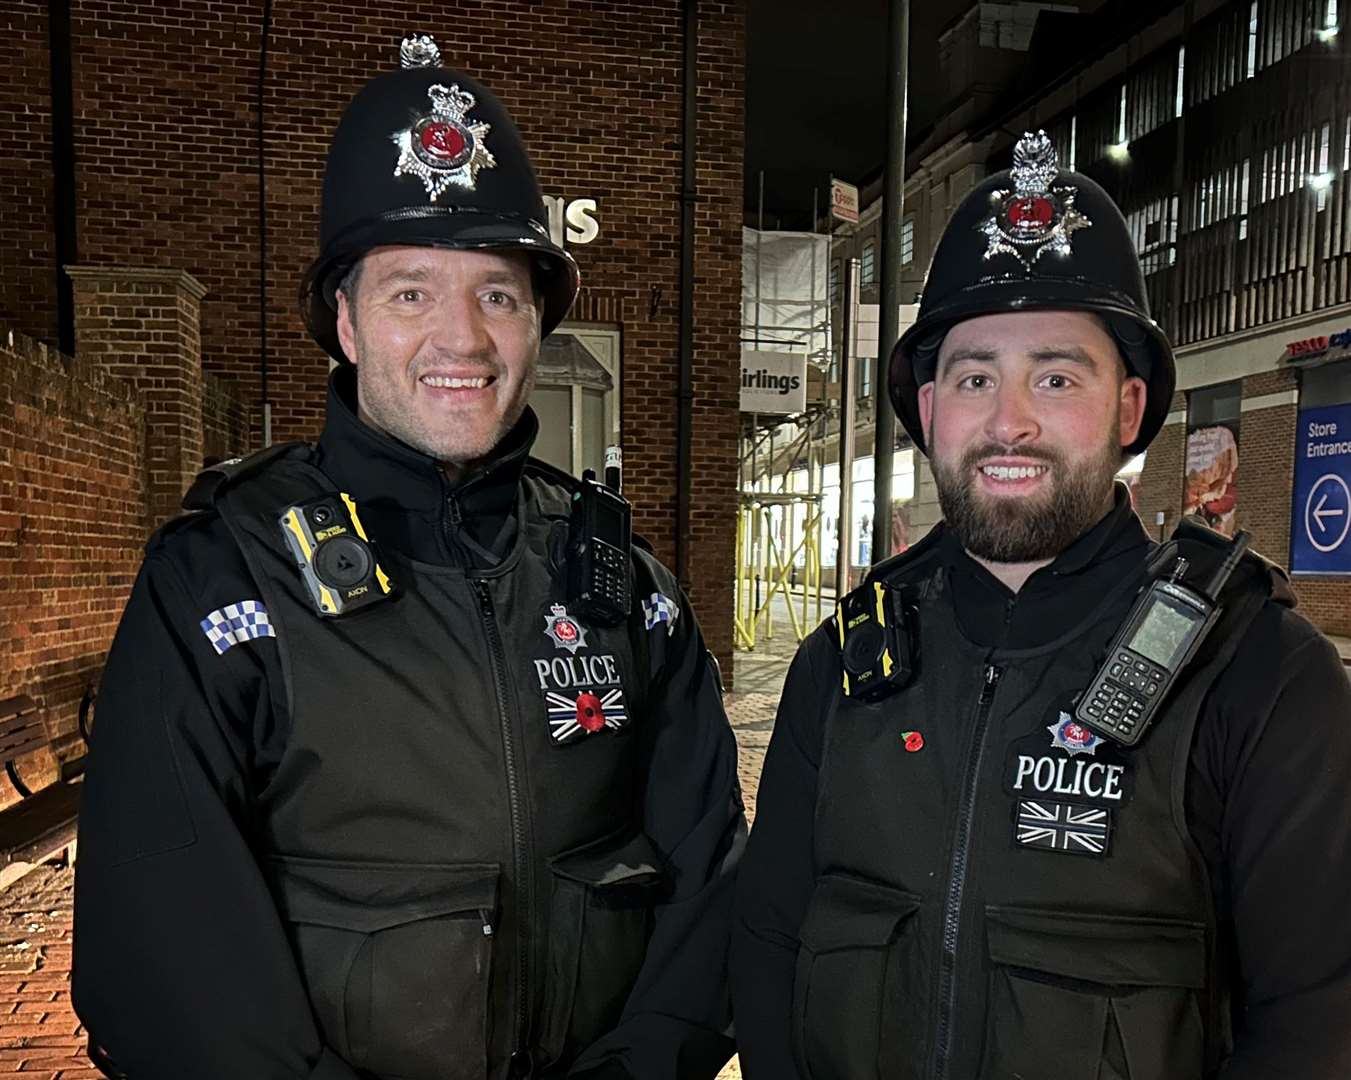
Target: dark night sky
<point x="815" y="83"/>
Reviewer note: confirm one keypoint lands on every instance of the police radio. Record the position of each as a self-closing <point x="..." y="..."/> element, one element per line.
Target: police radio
<point x="1166" y="626"/>
<point x="875" y="641"/>
<point x="599" y="539"/>
<point x="335" y="557"/>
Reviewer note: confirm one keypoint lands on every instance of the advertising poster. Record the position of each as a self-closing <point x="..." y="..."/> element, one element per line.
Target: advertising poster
<point x="1211" y="488"/>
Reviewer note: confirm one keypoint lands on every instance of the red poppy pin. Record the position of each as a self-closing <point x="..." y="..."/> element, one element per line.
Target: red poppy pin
<point x="913" y="741"/>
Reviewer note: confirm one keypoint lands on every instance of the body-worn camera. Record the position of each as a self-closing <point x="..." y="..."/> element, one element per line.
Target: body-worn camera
<point x="599" y="540"/>
<point x="876" y="650"/>
<point x="336" y="559"/>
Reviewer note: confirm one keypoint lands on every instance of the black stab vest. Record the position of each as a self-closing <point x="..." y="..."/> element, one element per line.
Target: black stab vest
<point x="964" y="923"/>
<point x="466" y="896"/>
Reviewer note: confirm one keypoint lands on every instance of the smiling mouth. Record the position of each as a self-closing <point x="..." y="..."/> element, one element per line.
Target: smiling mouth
<point x="1005" y="473"/>
<point x="446" y="382"/>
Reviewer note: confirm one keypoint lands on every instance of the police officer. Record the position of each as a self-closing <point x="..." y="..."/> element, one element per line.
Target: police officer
<point x="954" y="874"/>
<point x="375" y="792"/>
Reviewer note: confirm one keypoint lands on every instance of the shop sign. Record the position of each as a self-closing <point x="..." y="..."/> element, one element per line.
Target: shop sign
<point x="773" y="382"/>
<point x="1320" y="526"/>
<point x="571" y="221"/>
<point x="1308" y="348"/>
<point x="844" y="201"/>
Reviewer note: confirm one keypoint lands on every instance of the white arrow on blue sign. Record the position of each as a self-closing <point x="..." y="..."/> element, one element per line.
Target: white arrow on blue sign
<point x="1321" y="507"/>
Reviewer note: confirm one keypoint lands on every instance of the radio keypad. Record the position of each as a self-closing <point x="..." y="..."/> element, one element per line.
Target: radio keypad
<point x="1117" y="703"/>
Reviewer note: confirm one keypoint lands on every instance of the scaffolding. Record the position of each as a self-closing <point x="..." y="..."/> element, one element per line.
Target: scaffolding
<point x="785" y="307"/>
<point x="777" y="531"/>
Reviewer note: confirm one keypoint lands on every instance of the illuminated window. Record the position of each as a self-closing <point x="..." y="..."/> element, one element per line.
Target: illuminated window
<point x="1074" y="141"/>
<point x="1252" y="39"/>
<point x="1181" y="72"/>
<point x="908" y="242"/>
<point x="869" y="271"/>
<point x="1121" y="117"/>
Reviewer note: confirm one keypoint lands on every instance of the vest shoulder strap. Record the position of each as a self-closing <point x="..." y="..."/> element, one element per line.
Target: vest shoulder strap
<point x="215" y="479"/>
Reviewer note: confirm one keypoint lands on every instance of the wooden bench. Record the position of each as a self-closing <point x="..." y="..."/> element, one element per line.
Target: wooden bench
<point x="42" y="825"/>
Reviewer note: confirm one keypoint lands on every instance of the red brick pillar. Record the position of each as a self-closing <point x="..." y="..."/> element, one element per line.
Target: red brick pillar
<point x="144" y="326"/>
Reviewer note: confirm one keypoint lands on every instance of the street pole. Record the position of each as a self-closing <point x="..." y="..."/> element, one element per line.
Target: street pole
<point x="889" y="315"/>
<point x="845" y="531"/>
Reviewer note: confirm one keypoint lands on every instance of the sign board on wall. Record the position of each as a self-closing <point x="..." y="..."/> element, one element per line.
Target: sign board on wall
<point x="844" y="201"/>
<point x="773" y="382"/>
<point x="1320" y="525"/>
<point x="571" y="221"/>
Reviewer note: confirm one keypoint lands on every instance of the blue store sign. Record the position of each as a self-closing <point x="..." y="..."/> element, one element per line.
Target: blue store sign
<point x="1320" y="529"/>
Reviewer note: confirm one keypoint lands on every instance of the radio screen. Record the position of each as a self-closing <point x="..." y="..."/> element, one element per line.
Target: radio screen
<point x="609" y="522"/>
<point x="1162" y="635"/>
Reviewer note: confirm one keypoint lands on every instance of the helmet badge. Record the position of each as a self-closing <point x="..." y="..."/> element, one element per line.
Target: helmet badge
<point x="444" y="147"/>
<point x="1037" y="215"/>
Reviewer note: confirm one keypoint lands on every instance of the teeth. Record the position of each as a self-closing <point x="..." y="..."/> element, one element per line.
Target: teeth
<point x="442" y="382"/>
<point x="1012" y="472"/>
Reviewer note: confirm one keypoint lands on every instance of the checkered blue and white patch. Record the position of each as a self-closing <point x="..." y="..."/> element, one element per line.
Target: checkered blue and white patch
<point x="660" y="609"/>
<point x="235" y="623"/>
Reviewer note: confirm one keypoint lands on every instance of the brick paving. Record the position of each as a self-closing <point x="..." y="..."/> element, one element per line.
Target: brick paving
<point x="40" y="1036"/>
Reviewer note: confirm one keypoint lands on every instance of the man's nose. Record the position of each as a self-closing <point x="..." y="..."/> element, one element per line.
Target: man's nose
<point x="1014" y="416"/>
<point x="460" y="330"/>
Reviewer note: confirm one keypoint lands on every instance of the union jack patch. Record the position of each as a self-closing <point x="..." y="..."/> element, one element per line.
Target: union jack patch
<point x="235" y="623"/>
<point x="1067" y="827"/>
<point x="585" y="713"/>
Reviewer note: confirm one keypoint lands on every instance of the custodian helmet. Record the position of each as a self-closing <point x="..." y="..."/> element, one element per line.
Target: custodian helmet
<point x="1035" y="238"/>
<point x="427" y="156"/>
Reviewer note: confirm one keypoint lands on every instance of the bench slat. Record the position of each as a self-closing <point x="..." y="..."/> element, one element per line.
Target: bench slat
<point x="16" y="705"/>
<point x="20" y="737"/>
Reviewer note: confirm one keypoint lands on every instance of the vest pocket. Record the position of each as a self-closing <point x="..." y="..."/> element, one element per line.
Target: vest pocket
<point x="600" y="919"/>
<point x="396" y="958"/>
<point x="1093" y="997"/>
<point x="860" y="983"/>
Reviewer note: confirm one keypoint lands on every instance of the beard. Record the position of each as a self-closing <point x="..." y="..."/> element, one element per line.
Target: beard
<point x="1015" y="528"/>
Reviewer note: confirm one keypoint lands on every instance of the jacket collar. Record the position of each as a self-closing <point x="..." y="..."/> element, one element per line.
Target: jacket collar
<point x="403" y="494"/>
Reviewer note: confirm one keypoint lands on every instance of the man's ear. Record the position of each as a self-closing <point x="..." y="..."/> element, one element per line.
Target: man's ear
<point x="926" y="411"/>
<point x="347" y="335"/>
<point x="1134" y="398"/>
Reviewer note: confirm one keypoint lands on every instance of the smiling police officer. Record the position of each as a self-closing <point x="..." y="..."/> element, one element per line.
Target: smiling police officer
<point x="1047" y="800"/>
<point x="381" y="786"/>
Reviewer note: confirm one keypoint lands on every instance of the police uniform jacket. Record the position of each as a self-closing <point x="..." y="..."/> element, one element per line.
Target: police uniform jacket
<point x="959" y="882"/>
<point x="384" y="845"/>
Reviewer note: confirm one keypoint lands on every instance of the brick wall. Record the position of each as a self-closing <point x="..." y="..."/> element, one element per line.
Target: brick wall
<point x="166" y="151"/>
<point x="72" y="524"/>
<point x="27" y="232"/>
<point x="225" y="421"/>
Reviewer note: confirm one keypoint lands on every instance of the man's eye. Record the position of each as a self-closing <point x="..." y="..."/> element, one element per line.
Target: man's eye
<point x="976" y="382"/>
<point x="1057" y="382"/>
<point x="497" y="298"/>
<point x="410" y="296"/>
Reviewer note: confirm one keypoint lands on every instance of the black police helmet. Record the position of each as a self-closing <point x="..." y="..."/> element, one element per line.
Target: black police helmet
<point x="426" y="156"/>
<point x="1035" y="238"/>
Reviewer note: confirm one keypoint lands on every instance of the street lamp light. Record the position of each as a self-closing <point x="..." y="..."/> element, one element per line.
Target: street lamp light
<point x="1327" y="33"/>
<point x="1321" y="181"/>
<point x="1119" y="151"/>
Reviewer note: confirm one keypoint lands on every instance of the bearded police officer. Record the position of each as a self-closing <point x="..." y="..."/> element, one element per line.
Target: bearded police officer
<point x="1047" y="800"/>
<point x="397" y="772"/>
